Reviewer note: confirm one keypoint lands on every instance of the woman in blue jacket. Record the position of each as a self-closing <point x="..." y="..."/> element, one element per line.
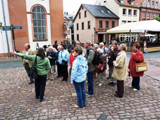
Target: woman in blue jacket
<point x="78" y="76"/>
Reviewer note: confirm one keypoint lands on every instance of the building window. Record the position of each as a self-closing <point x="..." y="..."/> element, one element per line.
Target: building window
<point x="132" y="2"/>
<point x="123" y="22"/>
<point x="129" y="12"/>
<point x="100" y="24"/>
<point x="135" y="13"/>
<point x="82" y="25"/>
<point x="147" y="14"/>
<point x="152" y="3"/>
<point x="79" y="15"/>
<point x="124" y="11"/>
<point x="155" y="15"/>
<point x="148" y="2"/>
<point x="77" y="26"/>
<point x="143" y="14"/>
<point x="113" y="24"/>
<point x="39" y="23"/>
<point x="152" y="14"/>
<point x="107" y="23"/>
<point x="157" y="4"/>
<point x="85" y="13"/>
<point x="159" y="15"/>
<point x="129" y="21"/>
<point x="89" y="24"/>
<point x="121" y="1"/>
<point x="77" y="36"/>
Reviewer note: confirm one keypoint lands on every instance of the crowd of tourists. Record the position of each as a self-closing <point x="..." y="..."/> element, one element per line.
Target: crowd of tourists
<point x="85" y="64"/>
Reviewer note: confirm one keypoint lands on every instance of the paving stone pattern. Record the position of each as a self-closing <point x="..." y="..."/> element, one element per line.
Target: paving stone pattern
<point x="17" y="100"/>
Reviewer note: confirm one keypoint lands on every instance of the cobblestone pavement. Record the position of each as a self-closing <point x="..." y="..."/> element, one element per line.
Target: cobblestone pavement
<point x="17" y="100"/>
<point x="154" y="61"/>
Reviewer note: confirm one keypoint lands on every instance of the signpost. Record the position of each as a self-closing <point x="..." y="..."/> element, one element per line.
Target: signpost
<point x="8" y="28"/>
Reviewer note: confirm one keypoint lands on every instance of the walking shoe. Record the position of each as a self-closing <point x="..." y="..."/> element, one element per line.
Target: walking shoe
<point x="41" y="100"/>
<point x="31" y="82"/>
<point x="63" y="79"/>
<point x="130" y="86"/>
<point x="38" y="97"/>
<point x="100" y="84"/>
<point x="110" y="83"/>
<point x="135" y="89"/>
<point x="117" y="95"/>
<point x="113" y="84"/>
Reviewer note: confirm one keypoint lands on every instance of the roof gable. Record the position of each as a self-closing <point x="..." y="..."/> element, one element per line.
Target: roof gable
<point x="137" y="3"/>
<point x="98" y="11"/>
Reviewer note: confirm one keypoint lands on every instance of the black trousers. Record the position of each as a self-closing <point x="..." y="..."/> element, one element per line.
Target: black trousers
<point x="59" y="70"/>
<point x="65" y="72"/>
<point x="136" y="83"/>
<point x="120" y="88"/>
<point x="40" y="84"/>
<point x="28" y="70"/>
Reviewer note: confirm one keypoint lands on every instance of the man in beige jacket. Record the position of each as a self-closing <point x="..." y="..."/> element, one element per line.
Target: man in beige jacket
<point x="27" y="63"/>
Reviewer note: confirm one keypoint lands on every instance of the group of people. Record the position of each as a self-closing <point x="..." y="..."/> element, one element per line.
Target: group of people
<point x="84" y="64"/>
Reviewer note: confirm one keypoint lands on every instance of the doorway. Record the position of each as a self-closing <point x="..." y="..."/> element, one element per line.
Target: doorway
<point x="100" y="38"/>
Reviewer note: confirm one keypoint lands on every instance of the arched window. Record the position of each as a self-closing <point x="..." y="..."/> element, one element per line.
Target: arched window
<point x="39" y="23"/>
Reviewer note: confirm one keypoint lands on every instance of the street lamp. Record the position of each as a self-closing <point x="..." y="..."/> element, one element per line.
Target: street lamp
<point x="0" y="24"/>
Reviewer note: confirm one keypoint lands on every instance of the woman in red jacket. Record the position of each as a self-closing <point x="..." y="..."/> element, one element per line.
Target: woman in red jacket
<point x="136" y="57"/>
<point x="72" y="57"/>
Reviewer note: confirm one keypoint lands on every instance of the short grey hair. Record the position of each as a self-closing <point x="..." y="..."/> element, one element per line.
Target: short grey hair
<point x="59" y="46"/>
<point x="100" y="50"/>
<point x="88" y="42"/>
<point x="114" y="43"/>
<point x="102" y="43"/>
<point x="78" y="50"/>
<point x="96" y="45"/>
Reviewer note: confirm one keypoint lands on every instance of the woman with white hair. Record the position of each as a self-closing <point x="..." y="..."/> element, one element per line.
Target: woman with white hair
<point x="52" y="58"/>
<point x="101" y="67"/>
<point x="59" y="67"/>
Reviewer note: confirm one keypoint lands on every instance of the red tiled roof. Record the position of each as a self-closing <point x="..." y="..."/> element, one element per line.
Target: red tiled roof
<point x="126" y="3"/>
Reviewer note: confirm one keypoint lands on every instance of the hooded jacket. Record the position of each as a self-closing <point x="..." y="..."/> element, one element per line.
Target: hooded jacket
<point x="79" y="69"/>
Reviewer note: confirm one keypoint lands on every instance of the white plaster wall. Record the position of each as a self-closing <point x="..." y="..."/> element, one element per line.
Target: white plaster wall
<point x="127" y="17"/>
<point x="86" y="34"/>
<point x="110" y="4"/>
<point x="3" y="40"/>
<point x="29" y="4"/>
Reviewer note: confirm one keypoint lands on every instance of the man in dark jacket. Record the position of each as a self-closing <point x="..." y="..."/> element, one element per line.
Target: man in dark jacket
<point x="112" y="54"/>
<point x="55" y="45"/>
<point x="52" y="57"/>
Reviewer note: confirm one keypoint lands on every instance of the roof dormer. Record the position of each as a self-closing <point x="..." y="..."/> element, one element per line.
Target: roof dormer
<point x="131" y="2"/>
<point x="121" y="1"/>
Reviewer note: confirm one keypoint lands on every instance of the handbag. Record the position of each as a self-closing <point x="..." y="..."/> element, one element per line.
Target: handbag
<point x="141" y="67"/>
<point x="34" y="70"/>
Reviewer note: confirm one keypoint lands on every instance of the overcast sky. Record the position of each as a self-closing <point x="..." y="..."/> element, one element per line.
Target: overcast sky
<point x="71" y="6"/>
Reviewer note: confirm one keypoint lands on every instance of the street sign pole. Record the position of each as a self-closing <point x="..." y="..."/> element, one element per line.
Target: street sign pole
<point x="12" y="28"/>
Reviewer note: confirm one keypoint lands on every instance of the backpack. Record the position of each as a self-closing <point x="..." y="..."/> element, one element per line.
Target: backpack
<point x="96" y="59"/>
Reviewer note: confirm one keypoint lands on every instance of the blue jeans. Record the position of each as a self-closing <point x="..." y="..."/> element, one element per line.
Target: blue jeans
<point x="90" y="82"/>
<point x="81" y="94"/>
<point x="136" y="83"/>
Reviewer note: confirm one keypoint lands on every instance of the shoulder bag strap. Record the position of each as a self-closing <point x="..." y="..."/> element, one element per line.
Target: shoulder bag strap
<point x="35" y="62"/>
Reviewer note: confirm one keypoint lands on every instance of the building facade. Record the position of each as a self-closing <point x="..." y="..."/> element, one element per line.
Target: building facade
<point x="91" y="23"/>
<point x="41" y="21"/>
<point x="149" y="9"/>
<point x="127" y="10"/>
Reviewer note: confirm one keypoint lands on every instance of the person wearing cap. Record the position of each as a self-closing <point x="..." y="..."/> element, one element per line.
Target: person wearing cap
<point x="120" y="70"/>
<point x="52" y="58"/>
<point x="90" y="55"/>
<point x="101" y="67"/>
<point x="78" y="44"/>
<point x="112" y="57"/>
<point x="59" y="67"/>
<point x="63" y="60"/>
